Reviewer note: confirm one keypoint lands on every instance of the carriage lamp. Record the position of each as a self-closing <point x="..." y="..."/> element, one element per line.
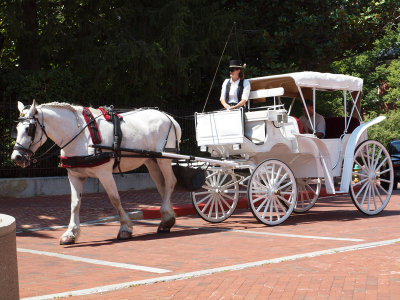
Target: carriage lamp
<point x="236" y="147"/>
<point x="356" y="170"/>
<point x="203" y="148"/>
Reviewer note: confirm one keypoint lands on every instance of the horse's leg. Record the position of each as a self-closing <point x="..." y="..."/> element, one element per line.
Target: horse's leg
<point x="167" y="212"/>
<point x="156" y="175"/>
<point x="71" y="235"/>
<point x="108" y="182"/>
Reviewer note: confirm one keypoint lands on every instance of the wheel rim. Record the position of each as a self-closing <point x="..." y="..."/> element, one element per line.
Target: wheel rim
<point x="272" y="192"/>
<point x="308" y="192"/>
<point x="219" y="196"/>
<point x="372" y="179"/>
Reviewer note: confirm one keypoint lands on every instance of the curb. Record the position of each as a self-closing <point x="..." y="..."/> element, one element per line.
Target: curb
<point x="188" y="209"/>
<point x="183" y="210"/>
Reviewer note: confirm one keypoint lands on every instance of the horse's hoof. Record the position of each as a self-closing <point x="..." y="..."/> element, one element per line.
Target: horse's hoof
<point x="165" y="227"/>
<point x="124" y="235"/>
<point x="65" y="240"/>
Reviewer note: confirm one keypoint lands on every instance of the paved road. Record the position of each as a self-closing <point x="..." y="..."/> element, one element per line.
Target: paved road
<point x="331" y="252"/>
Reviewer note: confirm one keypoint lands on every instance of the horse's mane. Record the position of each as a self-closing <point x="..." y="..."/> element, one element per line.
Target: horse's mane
<point x="77" y="108"/>
<point x="67" y="106"/>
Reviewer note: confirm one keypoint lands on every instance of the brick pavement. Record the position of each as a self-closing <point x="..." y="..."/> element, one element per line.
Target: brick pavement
<point x="46" y="211"/>
<point x="372" y="273"/>
<point x="365" y="274"/>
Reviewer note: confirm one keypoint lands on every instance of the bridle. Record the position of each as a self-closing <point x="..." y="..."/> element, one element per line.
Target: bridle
<point x="27" y="153"/>
<point x="33" y="123"/>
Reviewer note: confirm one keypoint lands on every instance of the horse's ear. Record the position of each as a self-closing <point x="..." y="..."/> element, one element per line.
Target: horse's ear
<point x="20" y="106"/>
<point x="32" y="110"/>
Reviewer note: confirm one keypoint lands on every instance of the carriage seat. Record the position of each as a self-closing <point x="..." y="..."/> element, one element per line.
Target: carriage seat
<point x="335" y="127"/>
<point x="254" y="126"/>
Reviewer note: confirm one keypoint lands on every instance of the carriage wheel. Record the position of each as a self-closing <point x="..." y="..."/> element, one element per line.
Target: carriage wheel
<point x="308" y="192"/>
<point x="372" y="177"/>
<point x="219" y="197"/>
<point x="272" y="192"/>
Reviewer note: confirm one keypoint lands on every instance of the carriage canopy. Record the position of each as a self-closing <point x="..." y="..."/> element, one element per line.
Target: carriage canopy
<point x="307" y="81"/>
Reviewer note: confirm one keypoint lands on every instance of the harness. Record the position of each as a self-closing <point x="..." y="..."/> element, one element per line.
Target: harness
<point x="239" y="90"/>
<point x="99" y="157"/>
<point x="33" y="121"/>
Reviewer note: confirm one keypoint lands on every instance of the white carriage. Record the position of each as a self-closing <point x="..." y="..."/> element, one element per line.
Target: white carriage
<point x="286" y="168"/>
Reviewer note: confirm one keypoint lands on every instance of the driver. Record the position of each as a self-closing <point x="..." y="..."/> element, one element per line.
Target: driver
<point x="319" y="120"/>
<point x="235" y="90"/>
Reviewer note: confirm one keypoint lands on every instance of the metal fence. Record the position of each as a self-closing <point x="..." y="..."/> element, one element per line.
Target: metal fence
<point x="50" y="167"/>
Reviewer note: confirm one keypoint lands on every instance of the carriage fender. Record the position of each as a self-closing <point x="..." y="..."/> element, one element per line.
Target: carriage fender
<point x="350" y="149"/>
<point x="323" y="154"/>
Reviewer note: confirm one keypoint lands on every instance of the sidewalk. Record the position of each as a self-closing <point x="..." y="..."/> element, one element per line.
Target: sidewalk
<point x="46" y="211"/>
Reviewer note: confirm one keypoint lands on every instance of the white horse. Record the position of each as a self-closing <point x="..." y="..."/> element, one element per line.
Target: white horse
<point x="147" y="129"/>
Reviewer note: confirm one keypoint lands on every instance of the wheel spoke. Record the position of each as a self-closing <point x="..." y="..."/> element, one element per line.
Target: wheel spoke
<point x="365" y="195"/>
<point x="266" y="207"/>
<point x="359" y="174"/>
<point x="361" y="189"/>
<point x="380" y="165"/>
<point x="378" y="157"/>
<point x="374" y="196"/>
<point x="225" y="202"/>
<point x="284" y="176"/>
<point x="287" y="202"/>
<point x="361" y="181"/>
<point x="263" y="203"/>
<point x="222" y="207"/>
<point x="283" y="186"/>
<point x="277" y="209"/>
<point x="383" y="172"/>
<point x="207" y="204"/>
<point x="379" y="194"/>
<point x="204" y="199"/>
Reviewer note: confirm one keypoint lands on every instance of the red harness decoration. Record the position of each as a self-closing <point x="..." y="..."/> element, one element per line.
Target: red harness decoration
<point x="95" y="159"/>
<point x="93" y="129"/>
<point x="107" y="116"/>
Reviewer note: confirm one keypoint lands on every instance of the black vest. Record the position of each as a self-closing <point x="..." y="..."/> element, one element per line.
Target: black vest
<point x="239" y="90"/>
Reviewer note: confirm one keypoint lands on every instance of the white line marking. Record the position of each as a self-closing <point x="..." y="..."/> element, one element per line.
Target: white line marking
<point x="95" y="261"/>
<point x="264" y="233"/>
<point x="299" y="236"/>
<point x="119" y="286"/>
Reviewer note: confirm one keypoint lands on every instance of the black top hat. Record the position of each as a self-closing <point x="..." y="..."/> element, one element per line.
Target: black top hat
<point x="235" y="63"/>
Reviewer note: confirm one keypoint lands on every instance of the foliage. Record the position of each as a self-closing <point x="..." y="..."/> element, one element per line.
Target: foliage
<point x="378" y="72"/>
<point x="310" y="35"/>
<point x="135" y="53"/>
<point x="165" y="53"/>
<point x="386" y="130"/>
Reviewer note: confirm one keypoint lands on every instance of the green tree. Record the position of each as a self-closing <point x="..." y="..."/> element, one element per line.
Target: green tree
<point x="380" y="72"/>
<point x="135" y="53"/>
<point x="386" y="130"/>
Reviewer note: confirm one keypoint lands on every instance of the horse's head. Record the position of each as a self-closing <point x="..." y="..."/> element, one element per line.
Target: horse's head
<point x="29" y="135"/>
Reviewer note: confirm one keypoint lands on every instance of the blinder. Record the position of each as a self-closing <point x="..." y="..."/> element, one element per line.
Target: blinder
<point x="32" y="128"/>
